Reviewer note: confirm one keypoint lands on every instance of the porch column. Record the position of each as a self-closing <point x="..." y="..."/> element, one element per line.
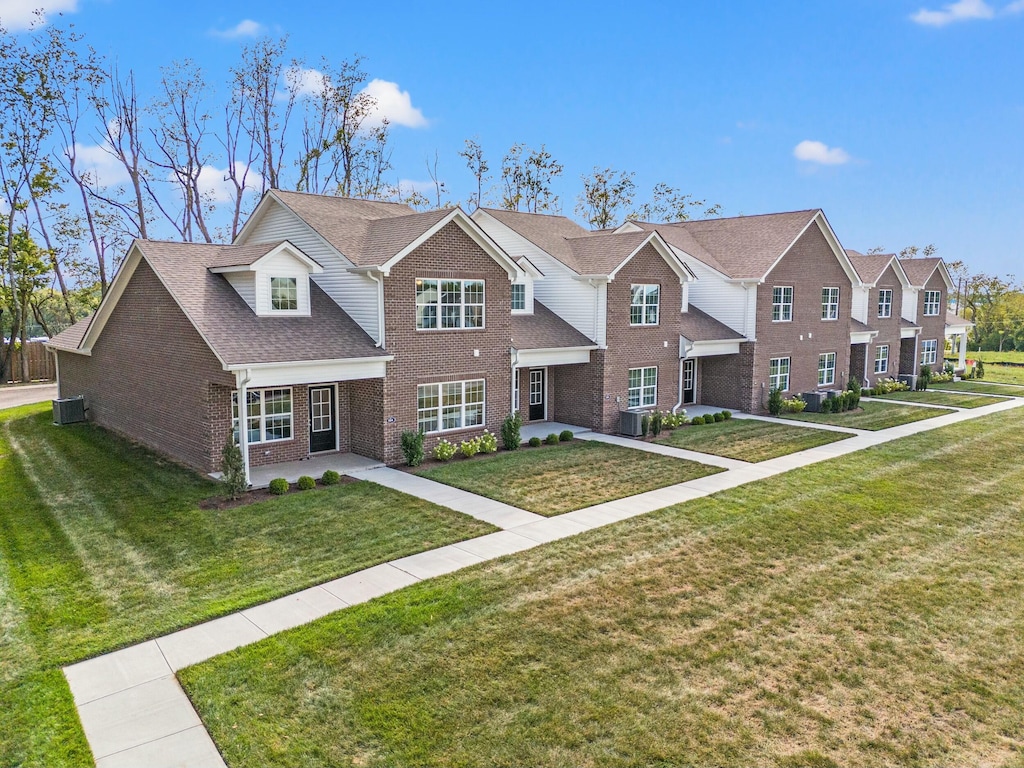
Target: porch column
<point x="963" y="351"/>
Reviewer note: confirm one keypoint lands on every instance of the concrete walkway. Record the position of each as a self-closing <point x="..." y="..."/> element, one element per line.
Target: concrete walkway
<point x="134" y="712"/>
<point x="26" y="394"/>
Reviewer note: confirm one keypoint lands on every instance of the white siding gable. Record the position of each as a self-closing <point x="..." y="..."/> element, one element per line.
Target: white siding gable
<point x="860" y="302"/>
<point x="726" y="302"/>
<point x="910" y="304"/>
<point x="281" y="265"/>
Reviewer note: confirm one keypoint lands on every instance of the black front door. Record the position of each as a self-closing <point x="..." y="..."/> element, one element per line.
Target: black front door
<point x="537" y="409"/>
<point x="322" y="432"/>
<point x="689" y="382"/>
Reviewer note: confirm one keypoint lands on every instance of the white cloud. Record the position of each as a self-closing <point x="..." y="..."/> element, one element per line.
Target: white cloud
<point x="103" y="168"/>
<point x="1015" y="7"/>
<point x="306" y="82"/>
<point x="817" y="152"/>
<point x="217" y="188"/>
<point x="962" y="10"/>
<point x="394" y="104"/>
<point x="244" y="28"/>
<point x="21" y="14"/>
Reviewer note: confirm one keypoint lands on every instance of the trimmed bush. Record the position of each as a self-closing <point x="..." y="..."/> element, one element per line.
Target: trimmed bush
<point x="645" y="424"/>
<point x="471" y="447"/>
<point x="657" y="422"/>
<point x="979" y="369"/>
<point x="278" y="486"/>
<point x="826" y="405"/>
<point x="330" y="477"/>
<point x="412" y="448"/>
<point x="775" y="401"/>
<point x="510" y="427"/>
<point x="488" y="442"/>
<point x="233" y="469"/>
<point x="924" y="378"/>
<point x="444" y="450"/>
<point x="726" y="415"/>
<point x="697" y="421"/>
<point x="306" y="483"/>
<point x="794" y="405"/>
<point x="551" y="439"/>
<point x="565" y="435"/>
<point x="535" y="442"/>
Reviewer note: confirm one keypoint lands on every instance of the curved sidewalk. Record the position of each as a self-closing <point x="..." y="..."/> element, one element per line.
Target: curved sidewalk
<point x="134" y="712"/>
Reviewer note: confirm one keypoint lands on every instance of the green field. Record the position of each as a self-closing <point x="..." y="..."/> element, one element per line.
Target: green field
<point x="872" y="416"/>
<point x="950" y="399"/>
<point x="749" y="439"/>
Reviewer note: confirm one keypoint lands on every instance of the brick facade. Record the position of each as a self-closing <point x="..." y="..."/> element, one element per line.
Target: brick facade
<point x="727" y="380"/>
<point x="932" y="326"/>
<point x="888" y="328"/>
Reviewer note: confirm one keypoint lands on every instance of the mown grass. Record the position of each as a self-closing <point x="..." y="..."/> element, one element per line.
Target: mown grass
<point x="992" y="356"/>
<point x="1005" y="374"/>
<point x="981" y="387"/>
<point x="103" y="545"/>
<point x="841" y="614"/>
<point x="554" y="479"/>
<point x="872" y="416"/>
<point x="749" y="439"/>
<point x="950" y="399"/>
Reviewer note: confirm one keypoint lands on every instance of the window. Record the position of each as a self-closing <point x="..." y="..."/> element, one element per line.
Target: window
<point x="929" y="352"/>
<point x="885" y="302"/>
<point x="450" y="405"/>
<point x="829" y="303"/>
<point x="449" y="304"/>
<point x="826" y="369"/>
<point x="643" y="304"/>
<point x="782" y="303"/>
<point x="932" y="301"/>
<point x="268" y="415"/>
<point x="643" y="387"/>
<point x="778" y="373"/>
<point x="518" y="296"/>
<point x="882" y="358"/>
<point x="284" y="293"/>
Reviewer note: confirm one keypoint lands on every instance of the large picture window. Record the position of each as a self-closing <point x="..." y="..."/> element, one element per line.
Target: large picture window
<point x="643" y="304"/>
<point x="929" y="352"/>
<point x="829" y="303"/>
<point x="643" y="387"/>
<point x="782" y="303"/>
<point x="885" y="302"/>
<point x="450" y="405"/>
<point x="932" y="302"/>
<point x="447" y="304"/>
<point x="882" y="358"/>
<point x="826" y="369"/>
<point x="268" y="415"/>
<point x="778" y="373"/>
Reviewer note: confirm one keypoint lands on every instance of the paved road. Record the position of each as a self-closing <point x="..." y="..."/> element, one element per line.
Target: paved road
<point x="28" y="393"/>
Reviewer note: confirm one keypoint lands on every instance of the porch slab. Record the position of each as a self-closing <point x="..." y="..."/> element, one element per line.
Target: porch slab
<point x="542" y="429"/>
<point x="314" y="466"/>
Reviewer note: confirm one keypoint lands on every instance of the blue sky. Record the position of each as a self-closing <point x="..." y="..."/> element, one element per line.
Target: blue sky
<point x="908" y="116"/>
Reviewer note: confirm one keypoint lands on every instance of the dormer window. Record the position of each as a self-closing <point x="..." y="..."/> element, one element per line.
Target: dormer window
<point x="284" y="294"/>
<point x="518" y="296"/>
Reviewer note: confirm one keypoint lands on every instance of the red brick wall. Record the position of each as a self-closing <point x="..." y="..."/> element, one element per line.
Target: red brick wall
<point x="640" y="346"/>
<point x="888" y="328"/>
<point x="578" y="394"/>
<point x="726" y="380"/>
<point x="932" y="327"/>
<point x="423" y="357"/>
<point x="151" y="377"/>
<point x="366" y="417"/>
<point x="808" y="266"/>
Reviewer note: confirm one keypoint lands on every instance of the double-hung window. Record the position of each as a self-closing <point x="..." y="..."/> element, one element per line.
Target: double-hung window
<point x="643" y="304"/>
<point x="826" y="369"/>
<point x="449" y="304"/>
<point x="518" y="296"/>
<point x="778" y="373"/>
<point x="284" y="293"/>
<point x="643" y="387"/>
<point x="932" y="302"/>
<point x="268" y="415"/>
<point x="885" y="302"/>
<point x="929" y="352"/>
<point x="882" y="358"/>
<point x="450" y="405"/>
<point x="782" y="303"/>
<point x="829" y="303"/>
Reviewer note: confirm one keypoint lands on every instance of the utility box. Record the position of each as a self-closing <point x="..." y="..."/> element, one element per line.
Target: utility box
<point x="813" y="400"/>
<point x="69" y="410"/>
<point x="631" y="423"/>
<point x="910" y="379"/>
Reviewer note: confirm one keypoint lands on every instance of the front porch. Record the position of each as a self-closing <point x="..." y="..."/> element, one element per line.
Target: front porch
<point x="315" y="466"/>
<point x="542" y="429"/>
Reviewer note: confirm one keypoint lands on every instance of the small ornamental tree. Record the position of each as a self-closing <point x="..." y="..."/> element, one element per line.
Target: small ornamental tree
<point x="233" y="468"/>
<point x="775" y="401"/>
<point x="510" y="436"/>
<point x="412" y="448"/>
<point x="979" y="369"/>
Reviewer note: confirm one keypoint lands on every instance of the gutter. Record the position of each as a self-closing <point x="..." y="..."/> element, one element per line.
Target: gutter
<point x="243" y="422"/>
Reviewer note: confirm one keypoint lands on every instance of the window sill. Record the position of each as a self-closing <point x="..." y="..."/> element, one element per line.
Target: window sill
<point x="456" y="431"/>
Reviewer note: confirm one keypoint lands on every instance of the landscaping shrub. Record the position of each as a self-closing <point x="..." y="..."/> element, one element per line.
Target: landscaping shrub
<point x="645" y="424"/>
<point x="565" y="435"/>
<point x="854" y="385"/>
<point x="233" y="469"/>
<point x="444" y="450"/>
<point x="535" y="442"/>
<point x="657" y="421"/>
<point x="775" y="401"/>
<point x="488" y="442"/>
<point x="924" y="378"/>
<point x="510" y="427"/>
<point x="697" y="421"/>
<point x="794" y="405"/>
<point x="885" y="386"/>
<point x="278" y="486"/>
<point x="726" y="415"/>
<point x="412" y="448"/>
<point x="826" y="405"/>
<point x="719" y="418"/>
<point x="551" y="439"/>
<point x="979" y="369"/>
<point x="470" y="448"/>
<point x="330" y="477"/>
<point x="306" y="483"/>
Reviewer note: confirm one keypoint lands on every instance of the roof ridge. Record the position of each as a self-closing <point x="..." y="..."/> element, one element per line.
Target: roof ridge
<point x="725" y="218"/>
<point x="336" y="197"/>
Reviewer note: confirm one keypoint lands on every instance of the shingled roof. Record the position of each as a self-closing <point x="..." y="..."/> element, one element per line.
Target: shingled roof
<point x="871" y="266"/>
<point x="545" y="330"/>
<point x="696" y="325"/>
<point x="231" y="329"/>
<point x="920" y="270"/>
<point x="71" y="338"/>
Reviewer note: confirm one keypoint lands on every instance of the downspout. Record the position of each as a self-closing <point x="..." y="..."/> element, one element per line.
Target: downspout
<point x="243" y="422"/>
<point x="380" y="308"/>
<point x="680" y="402"/>
<point x="512" y="394"/>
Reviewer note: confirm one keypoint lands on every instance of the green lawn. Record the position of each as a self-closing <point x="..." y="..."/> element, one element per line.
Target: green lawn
<point x="749" y="439"/>
<point x="992" y="356"/>
<point x="952" y="400"/>
<point x="1005" y="374"/>
<point x="554" y="479"/>
<point x="103" y="545"/>
<point x="840" y="614"/>
<point x="981" y="387"/>
<point x="872" y="416"/>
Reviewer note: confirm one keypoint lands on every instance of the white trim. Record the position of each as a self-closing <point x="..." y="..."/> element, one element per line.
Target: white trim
<point x="789" y="371"/>
<point x="293" y="251"/>
<point x="909" y="332"/>
<point x="643" y="305"/>
<point x="827" y="306"/>
<point x="462" y="304"/>
<point x="543" y="391"/>
<point x="826" y="357"/>
<point x="664" y="250"/>
<point x="643" y="370"/>
<point x="879" y="359"/>
<point x="542" y="358"/>
<point x="337" y="420"/>
<point x="862" y="337"/>
<point x="264" y="375"/>
<point x="879" y="303"/>
<point x="708" y="347"/>
<point x="439" y="408"/>
<point x="243" y="414"/>
<point x="782" y="304"/>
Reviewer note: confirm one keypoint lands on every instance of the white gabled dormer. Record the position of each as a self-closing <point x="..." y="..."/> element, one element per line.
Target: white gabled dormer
<point x="276" y="284"/>
<point x="522" y="286"/>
